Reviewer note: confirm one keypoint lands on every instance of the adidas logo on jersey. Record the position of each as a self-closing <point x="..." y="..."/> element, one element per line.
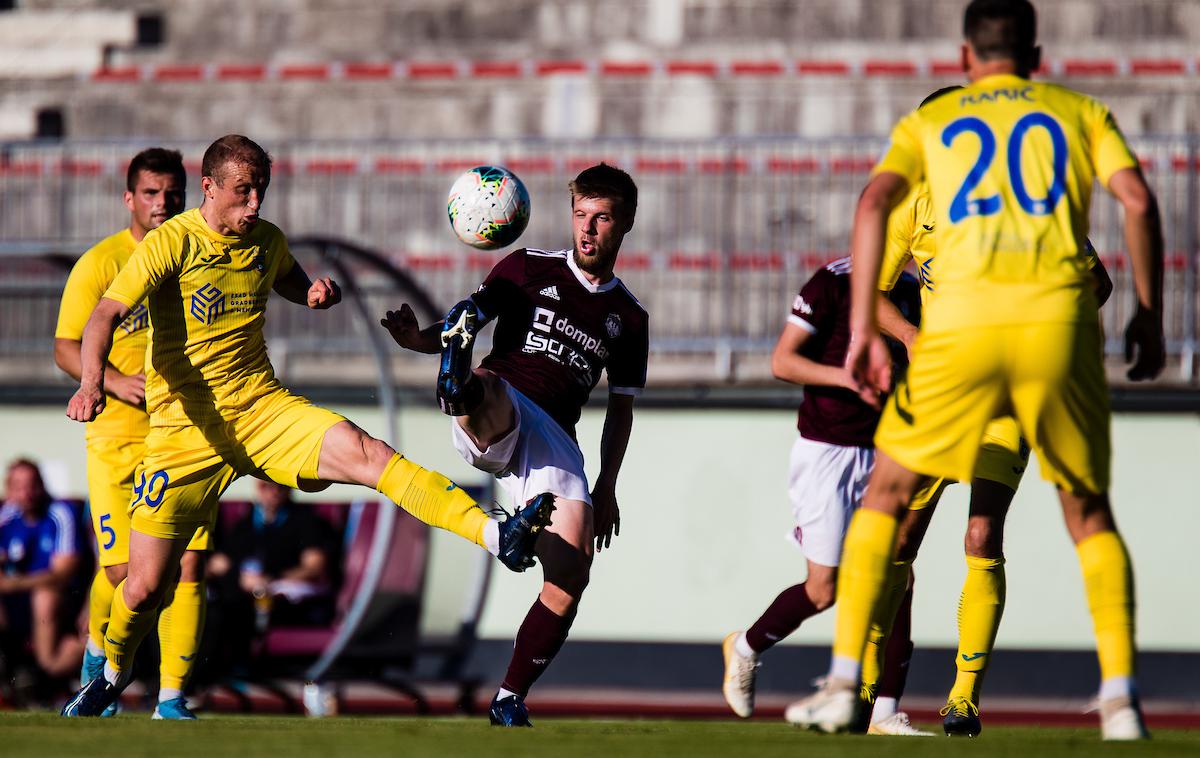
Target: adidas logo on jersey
<point x="550" y="292"/>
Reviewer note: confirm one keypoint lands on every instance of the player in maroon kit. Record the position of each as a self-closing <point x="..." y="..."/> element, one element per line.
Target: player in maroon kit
<point x="829" y="466"/>
<point x="561" y="319"/>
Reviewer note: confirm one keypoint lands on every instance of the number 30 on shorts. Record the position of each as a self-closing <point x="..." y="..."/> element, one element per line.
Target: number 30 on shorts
<point x="963" y="205"/>
<point x="152" y="489"/>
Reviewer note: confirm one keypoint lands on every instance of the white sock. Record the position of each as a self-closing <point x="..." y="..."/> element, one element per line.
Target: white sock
<point x="846" y="669"/>
<point x="491" y="536"/>
<point x="168" y="693"/>
<point x="94" y="649"/>
<point x="742" y="646"/>
<point x="885" y="708"/>
<point x="116" y="678"/>
<point x="503" y="693"/>
<point x="1116" y="686"/>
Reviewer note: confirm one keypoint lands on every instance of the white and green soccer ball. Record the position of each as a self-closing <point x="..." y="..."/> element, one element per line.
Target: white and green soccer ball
<point x="488" y="207"/>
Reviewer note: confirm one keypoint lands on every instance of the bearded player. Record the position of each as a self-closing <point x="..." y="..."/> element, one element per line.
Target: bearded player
<point x="562" y="319"/>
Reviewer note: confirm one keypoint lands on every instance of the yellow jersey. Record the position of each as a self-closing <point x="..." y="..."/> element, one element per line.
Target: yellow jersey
<point x="207" y="298"/>
<point x="90" y="277"/>
<point x="1009" y="164"/>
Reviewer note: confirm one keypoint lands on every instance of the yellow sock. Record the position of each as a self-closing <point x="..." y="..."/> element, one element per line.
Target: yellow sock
<point x="866" y="561"/>
<point x="99" y="607"/>
<point x="979" y="610"/>
<point x="881" y="626"/>
<point x="433" y="499"/>
<point x="1108" y="580"/>
<point x="126" y="630"/>
<point x="179" y="628"/>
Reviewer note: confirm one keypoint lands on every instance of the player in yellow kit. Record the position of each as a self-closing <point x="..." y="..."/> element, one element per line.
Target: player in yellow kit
<point x="1013" y="330"/>
<point x="116" y="441"/>
<point x="217" y="412"/>
<point x="1003" y="457"/>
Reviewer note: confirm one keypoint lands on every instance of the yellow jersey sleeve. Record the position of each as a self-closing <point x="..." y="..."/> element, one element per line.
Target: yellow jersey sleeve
<point x="905" y="153"/>
<point x="1110" y="152"/>
<point x="156" y="258"/>
<point x="897" y="244"/>
<point x="85" y="286"/>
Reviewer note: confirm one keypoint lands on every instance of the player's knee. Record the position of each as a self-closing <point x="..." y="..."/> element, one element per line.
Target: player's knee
<point x="116" y="574"/>
<point x="561" y="600"/>
<point x="191" y="566"/>
<point x="821" y="591"/>
<point x="983" y="539"/>
<point x="144" y="593"/>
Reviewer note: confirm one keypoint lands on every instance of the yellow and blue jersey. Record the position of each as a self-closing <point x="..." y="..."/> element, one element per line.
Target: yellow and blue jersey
<point x="90" y="277"/>
<point x="1009" y="165"/>
<point x="207" y="297"/>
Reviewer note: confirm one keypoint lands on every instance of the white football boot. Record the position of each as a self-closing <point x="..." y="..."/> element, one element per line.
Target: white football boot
<point x="897" y="725"/>
<point x="740" y="671"/>
<point x="1121" y="719"/>
<point x="830" y="709"/>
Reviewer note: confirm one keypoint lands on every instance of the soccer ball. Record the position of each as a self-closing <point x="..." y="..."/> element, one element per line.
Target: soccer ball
<point x="488" y="207"/>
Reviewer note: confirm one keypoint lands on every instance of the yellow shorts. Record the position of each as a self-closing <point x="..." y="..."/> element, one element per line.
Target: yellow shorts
<point x="187" y="468"/>
<point x="1049" y="376"/>
<point x="113" y="465"/>
<point x="1003" y="457"/>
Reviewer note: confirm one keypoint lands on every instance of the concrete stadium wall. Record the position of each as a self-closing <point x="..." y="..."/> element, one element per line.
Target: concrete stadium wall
<point x="705" y="513"/>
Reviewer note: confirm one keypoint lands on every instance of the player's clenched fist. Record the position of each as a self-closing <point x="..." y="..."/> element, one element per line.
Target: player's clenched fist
<point x="324" y="293"/>
<point x="403" y="327"/>
<point x="86" y="404"/>
<point x="870" y="366"/>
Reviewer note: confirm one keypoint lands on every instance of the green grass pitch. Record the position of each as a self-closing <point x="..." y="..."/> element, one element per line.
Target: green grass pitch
<point x="24" y="734"/>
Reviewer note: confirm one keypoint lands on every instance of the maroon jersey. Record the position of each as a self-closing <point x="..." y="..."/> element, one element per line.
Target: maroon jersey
<point x="556" y="331"/>
<point x="833" y="414"/>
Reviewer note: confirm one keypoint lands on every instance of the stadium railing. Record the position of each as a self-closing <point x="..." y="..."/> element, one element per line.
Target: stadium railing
<point x="727" y="231"/>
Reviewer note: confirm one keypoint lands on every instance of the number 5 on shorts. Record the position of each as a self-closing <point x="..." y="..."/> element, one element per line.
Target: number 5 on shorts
<point x="110" y="534"/>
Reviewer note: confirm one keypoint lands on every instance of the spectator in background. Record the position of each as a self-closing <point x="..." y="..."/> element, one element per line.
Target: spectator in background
<point x="277" y="566"/>
<point x="41" y="560"/>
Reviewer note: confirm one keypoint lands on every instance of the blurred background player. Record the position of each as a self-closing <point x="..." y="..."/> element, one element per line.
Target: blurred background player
<point x="563" y="318"/>
<point x="1003" y="457"/>
<point x="1013" y="329"/>
<point x="217" y="411"/>
<point x="155" y="187"/>
<point x="41" y="560"/>
<point x="829" y="465"/>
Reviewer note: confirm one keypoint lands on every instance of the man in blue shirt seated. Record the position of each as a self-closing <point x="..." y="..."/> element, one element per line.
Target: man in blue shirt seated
<point x="40" y="562"/>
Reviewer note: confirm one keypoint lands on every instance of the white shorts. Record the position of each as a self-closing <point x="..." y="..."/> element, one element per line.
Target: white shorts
<point x="536" y="456"/>
<point x="825" y="484"/>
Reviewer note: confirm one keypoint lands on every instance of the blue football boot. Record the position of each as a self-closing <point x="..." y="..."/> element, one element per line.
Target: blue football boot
<point x="962" y="718"/>
<point x="175" y="709"/>
<point x="509" y="711"/>
<point x="519" y="532"/>
<point x="91" y="699"/>
<point x="458" y="390"/>
<point x="93" y="668"/>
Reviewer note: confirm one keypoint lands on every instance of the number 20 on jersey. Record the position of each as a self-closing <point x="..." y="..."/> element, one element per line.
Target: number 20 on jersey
<point x="964" y="205"/>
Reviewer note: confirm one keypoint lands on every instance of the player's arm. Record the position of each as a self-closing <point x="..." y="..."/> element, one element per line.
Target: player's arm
<point x="295" y="287"/>
<point x="1144" y="239"/>
<point x="868" y="359"/>
<point x="789" y="365"/>
<point x="614" y="440"/>
<point x="128" y="387"/>
<point x="408" y="334"/>
<point x="88" y="400"/>
<point x="893" y="323"/>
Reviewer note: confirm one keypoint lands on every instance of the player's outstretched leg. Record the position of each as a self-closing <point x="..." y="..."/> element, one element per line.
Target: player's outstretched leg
<point x="459" y="391"/>
<point x="782" y="617"/>
<point x="565" y="552"/>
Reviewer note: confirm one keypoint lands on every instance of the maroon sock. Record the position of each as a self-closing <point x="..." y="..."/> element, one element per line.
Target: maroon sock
<point x="899" y="651"/>
<point x="539" y="639"/>
<point x="782" y="617"/>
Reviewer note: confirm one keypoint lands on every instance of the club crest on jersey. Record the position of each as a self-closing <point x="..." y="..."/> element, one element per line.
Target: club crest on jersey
<point x="612" y="325"/>
<point x="208" y="303"/>
<point x="260" y="261"/>
<point x="550" y="292"/>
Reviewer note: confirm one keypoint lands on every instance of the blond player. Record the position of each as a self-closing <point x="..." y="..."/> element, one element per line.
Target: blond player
<point x="217" y="412"/>
<point x="155" y="183"/>
<point x="1013" y="329"/>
